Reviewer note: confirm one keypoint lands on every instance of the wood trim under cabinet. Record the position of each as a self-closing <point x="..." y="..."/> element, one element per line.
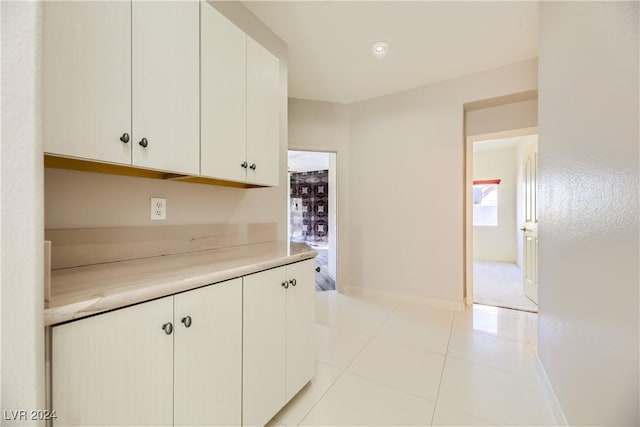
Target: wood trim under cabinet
<point x="57" y="162"/>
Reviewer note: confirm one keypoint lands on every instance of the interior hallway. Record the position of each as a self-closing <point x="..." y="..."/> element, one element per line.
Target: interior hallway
<point x="500" y="284"/>
<point x="388" y="362"/>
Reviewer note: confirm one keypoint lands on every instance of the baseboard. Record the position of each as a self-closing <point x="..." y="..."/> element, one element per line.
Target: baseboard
<point x="404" y="297"/>
<point x="556" y="408"/>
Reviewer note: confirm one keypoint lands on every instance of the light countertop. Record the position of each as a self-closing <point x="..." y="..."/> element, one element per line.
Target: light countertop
<point x="83" y="291"/>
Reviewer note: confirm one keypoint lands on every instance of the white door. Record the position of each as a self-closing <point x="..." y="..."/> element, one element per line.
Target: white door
<point x="166" y="92"/>
<point x="530" y="229"/>
<point x="115" y="369"/>
<point x="87" y="79"/>
<point x="300" y="326"/>
<point x="208" y="355"/>
<point x="263" y="115"/>
<point x="223" y="146"/>
<point x="264" y="354"/>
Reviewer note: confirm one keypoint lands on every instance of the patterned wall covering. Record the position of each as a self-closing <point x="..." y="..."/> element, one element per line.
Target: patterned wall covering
<point x="310" y="206"/>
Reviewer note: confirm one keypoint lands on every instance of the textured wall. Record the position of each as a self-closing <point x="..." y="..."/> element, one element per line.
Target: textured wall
<point x="589" y="207"/>
<point x="22" y="306"/>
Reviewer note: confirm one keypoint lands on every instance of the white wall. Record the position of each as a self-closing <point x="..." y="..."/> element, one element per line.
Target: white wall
<point x="324" y="126"/>
<point x="514" y="115"/>
<point x="406" y="183"/>
<point x="22" y="325"/>
<point x="497" y="243"/>
<point x="588" y="208"/>
<point x="78" y="199"/>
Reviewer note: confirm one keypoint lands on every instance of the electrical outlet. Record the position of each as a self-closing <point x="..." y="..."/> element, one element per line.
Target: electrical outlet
<point x="158" y="209"/>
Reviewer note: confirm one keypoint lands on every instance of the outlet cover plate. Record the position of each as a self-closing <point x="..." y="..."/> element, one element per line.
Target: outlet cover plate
<point x="158" y="208"/>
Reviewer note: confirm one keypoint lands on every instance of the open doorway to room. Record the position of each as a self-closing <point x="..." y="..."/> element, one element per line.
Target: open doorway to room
<point x="313" y="210"/>
<point x="503" y="194"/>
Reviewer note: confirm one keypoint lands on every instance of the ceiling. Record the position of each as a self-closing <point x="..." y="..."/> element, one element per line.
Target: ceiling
<point x="329" y="42"/>
<point x="306" y="161"/>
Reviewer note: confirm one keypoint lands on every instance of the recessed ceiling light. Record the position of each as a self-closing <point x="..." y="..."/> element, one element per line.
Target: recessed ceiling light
<point x="380" y="48"/>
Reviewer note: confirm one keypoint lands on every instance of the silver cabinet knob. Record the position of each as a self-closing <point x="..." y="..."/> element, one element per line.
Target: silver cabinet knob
<point x="167" y="328"/>
<point x="186" y="321"/>
<point x="253" y="166"/>
<point x="144" y="142"/>
<point x="285" y="284"/>
<point x="293" y="282"/>
<point x="244" y="164"/>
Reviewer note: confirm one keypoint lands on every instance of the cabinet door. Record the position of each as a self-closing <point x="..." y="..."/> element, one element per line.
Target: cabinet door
<point x="87" y="79"/>
<point x="263" y="361"/>
<point x="115" y="368"/>
<point x="223" y="96"/>
<point x="208" y="356"/>
<point x="166" y="85"/>
<point x="263" y="115"/>
<point x="300" y="342"/>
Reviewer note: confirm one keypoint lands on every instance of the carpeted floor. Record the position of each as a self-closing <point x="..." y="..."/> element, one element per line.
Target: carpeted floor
<point x="500" y="284"/>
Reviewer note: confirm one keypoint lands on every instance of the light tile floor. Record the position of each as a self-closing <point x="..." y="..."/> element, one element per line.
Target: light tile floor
<point x="386" y="362"/>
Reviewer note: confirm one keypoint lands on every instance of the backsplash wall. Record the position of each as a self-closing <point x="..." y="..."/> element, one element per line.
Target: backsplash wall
<point x="309" y="193"/>
<point x="75" y="199"/>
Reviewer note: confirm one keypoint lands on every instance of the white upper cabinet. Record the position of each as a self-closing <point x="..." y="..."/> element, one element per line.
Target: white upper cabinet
<point x="165" y="72"/>
<point x="172" y="86"/>
<point x="87" y="80"/>
<point x="223" y="93"/>
<point x="240" y="104"/>
<point x="263" y="115"/>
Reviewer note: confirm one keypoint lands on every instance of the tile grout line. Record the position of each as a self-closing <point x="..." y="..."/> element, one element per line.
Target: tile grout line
<point x="347" y="367"/>
<point x="391" y="387"/>
<point x="444" y="364"/>
<point x="482" y="365"/>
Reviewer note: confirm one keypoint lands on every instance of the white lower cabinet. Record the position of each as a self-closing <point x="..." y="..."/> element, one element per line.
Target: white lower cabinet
<point x="228" y="354"/>
<point x="300" y="329"/>
<point x="278" y="338"/>
<point x="115" y="368"/>
<point x="173" y="361"/>
<point x="208" y="356"/>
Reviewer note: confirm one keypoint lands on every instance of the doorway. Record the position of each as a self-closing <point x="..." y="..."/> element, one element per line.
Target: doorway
<point x="502" y="220"/>
<point x="312" y="210"/>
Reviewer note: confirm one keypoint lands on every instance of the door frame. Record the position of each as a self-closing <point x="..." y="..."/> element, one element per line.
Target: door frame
<point x="468" y="200"/>
<point x="338" y="278"/>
